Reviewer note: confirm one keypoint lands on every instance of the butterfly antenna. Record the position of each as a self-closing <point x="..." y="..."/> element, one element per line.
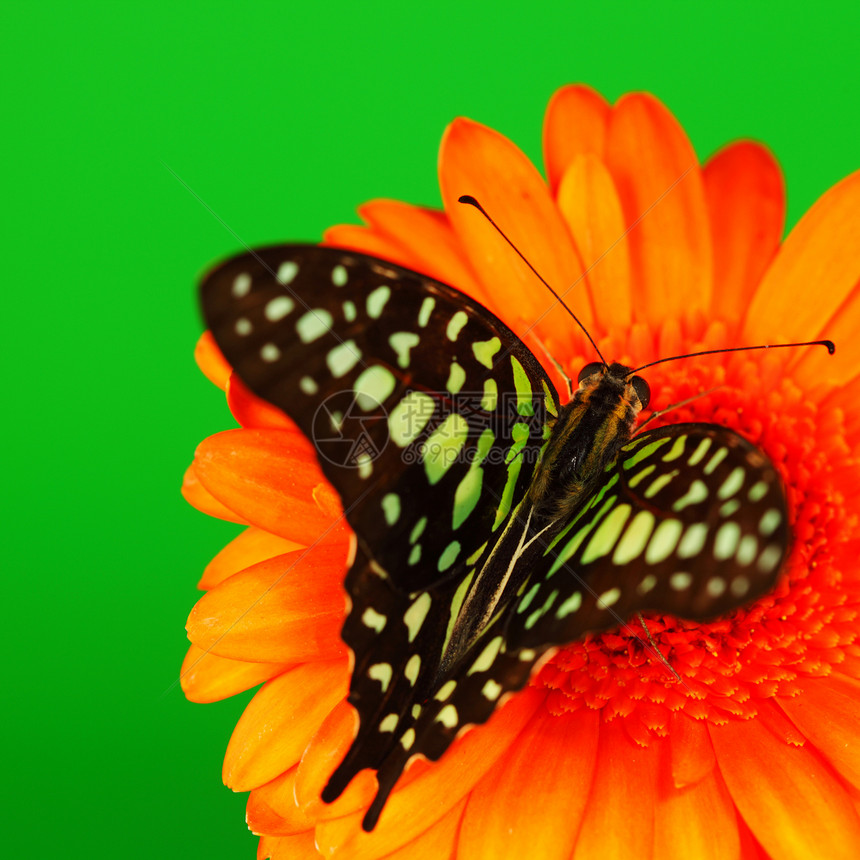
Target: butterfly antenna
<point x="831" y="348"/>
<point x="471" y="201"/>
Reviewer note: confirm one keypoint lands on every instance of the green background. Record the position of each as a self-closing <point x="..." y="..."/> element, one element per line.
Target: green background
<point x="281" y="120"/>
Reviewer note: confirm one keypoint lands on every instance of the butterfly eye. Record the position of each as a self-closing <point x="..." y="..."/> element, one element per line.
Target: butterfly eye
<point x="589" y="369"/>
<point x="642" y="389"/>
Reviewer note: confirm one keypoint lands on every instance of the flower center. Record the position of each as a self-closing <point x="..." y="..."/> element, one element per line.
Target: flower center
<point x="804" y="627"/>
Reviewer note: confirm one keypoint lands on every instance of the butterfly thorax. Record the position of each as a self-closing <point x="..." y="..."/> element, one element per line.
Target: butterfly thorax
<point x="585" y="439"/>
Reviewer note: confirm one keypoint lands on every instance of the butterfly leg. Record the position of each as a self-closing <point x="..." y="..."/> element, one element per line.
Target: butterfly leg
<point x="672" y="406"/>
<point x="663" y="659"/>
<point x="561" y="371"/>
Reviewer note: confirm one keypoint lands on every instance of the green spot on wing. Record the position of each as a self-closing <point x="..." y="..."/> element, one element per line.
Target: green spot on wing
<point x="449" y="556"/>
<point x="490" y="400"/>
<point x="676" y="450"/>
<point x="456" y="603"/>
<point x="570" y="605"/>
<point x="641" y="475"/>
<point x="549" y="400"/>
<point x="603" y="540"/>
<point x="477" y="553"/>
<point x="343" y="358"/>
<point x="525" y="406"/>
<point x="698" y="492"/>
<point x="391" y="508"/>
<point x="658" y="483"/>
<point x="637" y="456"/>
<point x="527" y="600"/>
<point x="699" y="453"/>
<point x="373" y="386"/>
<point x="455" y="325"/>
<point x="579" y="536"/>
<point x="520" y="436"/>
<point x="409" y="417"/>
<point x="415" y="615"/>
<point x="377" y="300"/>
<point x="487" y="656"/>
<point x="469" y="489"/>
<point x="505" y="502"/>
<point x="426" y="309"/>
<point x="456" y="378"/>
<point x="485" y="351"/>
<point x="313" y="324"/>
<point x="443" y="445"/>
<point x="402" y="342"/>
<point x="715" y="460"/>
<point x="418" y="530"/>
<point x="758" y="491"/>
<point x="339" y="276"/>
<point x="382" y="672"/>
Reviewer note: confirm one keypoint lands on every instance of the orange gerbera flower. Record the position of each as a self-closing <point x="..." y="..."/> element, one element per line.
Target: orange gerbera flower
<point x="757" y="752"/>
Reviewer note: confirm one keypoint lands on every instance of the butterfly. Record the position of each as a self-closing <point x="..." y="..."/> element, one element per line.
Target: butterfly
<point x="492" y="523"/>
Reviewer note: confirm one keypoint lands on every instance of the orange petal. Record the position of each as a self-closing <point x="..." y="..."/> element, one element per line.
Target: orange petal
<point x="589" y="203"/>
<point x="206" y="677"/>
<point x="251" y="546"/>
<point x="210" y="360"/>
<point x="412" y="809"/>
<point x="323" y="754"/>
<point x="660" y="185"/>
<point x="745" y="194"/>
<point x="251" y="411"/>
<point x="284" y="610"/>
<point x="691" y="750"/>
<point x="428" y="238"/>
<point x="790" y="799"/>
<point x="696" y="821"/>
<point x="272" y="808"/>
<point x="802" y="295"/>
<point x="354" y="237"/>
<point x="199" y="497"/>
<point x="275" y="728"/>
<point x="575" y="124"/>
<point x="296" y="847"/>
<point x="827" y="711"/>
<point x="437" y="842"/>
<point x="266" y="477"/>
<point x="479" y="161"/>
<point x="531" y="802"/>
<point x="619" y="817"/>
<point x="819" y="372"/>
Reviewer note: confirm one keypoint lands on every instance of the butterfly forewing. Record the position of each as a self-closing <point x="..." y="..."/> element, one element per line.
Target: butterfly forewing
<point x="415" y="397"/>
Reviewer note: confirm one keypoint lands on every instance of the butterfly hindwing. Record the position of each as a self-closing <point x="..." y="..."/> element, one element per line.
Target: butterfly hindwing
<point x="691" y="520"/>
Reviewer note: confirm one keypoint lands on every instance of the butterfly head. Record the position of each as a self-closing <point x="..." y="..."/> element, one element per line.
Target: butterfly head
<point x="617" y="378"/>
